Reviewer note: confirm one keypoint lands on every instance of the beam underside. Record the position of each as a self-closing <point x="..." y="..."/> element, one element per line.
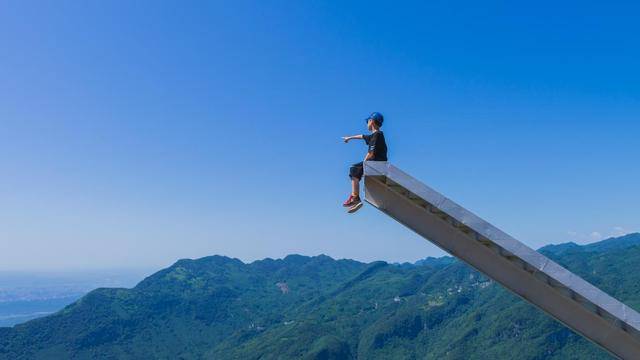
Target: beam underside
<point x="516" y="274"/>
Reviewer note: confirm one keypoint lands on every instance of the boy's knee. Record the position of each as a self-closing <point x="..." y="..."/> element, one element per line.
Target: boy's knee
<point x="356" y="171"/>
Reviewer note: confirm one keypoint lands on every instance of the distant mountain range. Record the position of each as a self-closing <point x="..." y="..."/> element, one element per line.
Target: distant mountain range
<point x="320" y="308"/>
<point x="29" y="295"/>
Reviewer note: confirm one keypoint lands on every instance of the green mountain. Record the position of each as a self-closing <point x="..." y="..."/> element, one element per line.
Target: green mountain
<point x="320" y="308"/>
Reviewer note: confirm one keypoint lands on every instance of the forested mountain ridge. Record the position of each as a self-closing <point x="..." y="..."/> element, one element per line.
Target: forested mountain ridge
<point x="321" y="308"/>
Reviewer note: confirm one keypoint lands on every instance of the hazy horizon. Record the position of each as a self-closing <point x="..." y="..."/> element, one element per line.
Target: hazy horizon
<point x="92" y="271"/>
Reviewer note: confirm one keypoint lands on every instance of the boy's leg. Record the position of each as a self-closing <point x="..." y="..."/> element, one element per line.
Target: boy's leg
<point x="355" y="187"/>
<point x="355" y="173"/>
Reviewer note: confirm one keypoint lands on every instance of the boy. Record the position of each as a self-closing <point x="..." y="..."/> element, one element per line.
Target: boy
<point x="377" y="152"/>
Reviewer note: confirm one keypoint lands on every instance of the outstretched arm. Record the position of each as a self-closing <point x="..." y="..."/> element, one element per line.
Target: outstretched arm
<point x="354" y="137"/>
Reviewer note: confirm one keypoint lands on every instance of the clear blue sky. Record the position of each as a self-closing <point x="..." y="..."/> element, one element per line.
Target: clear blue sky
<point x="134" y="134"/>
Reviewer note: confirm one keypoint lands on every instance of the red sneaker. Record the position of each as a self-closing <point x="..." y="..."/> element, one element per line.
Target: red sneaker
<point x="355" y="207"/>
<point x="352" y="200"/>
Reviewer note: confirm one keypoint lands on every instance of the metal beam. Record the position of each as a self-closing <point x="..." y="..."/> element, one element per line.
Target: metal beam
<point x="571" y="300"/>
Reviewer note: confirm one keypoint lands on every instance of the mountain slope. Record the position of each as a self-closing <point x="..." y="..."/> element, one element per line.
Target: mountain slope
<point x="320" y="308"/>
<point x="615" y="243"/>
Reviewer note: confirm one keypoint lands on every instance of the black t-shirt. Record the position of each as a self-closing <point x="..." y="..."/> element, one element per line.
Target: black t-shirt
<point x="377" y="145"/>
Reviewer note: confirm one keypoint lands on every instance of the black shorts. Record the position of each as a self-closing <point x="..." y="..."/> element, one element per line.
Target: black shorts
<point x="356" y="171"/>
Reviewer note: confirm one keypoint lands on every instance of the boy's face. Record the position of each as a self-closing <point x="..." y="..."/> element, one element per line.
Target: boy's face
<point x="370" y="125"/>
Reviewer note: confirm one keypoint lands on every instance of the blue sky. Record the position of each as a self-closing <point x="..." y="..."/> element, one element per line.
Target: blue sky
<point x="135" y="134"/>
